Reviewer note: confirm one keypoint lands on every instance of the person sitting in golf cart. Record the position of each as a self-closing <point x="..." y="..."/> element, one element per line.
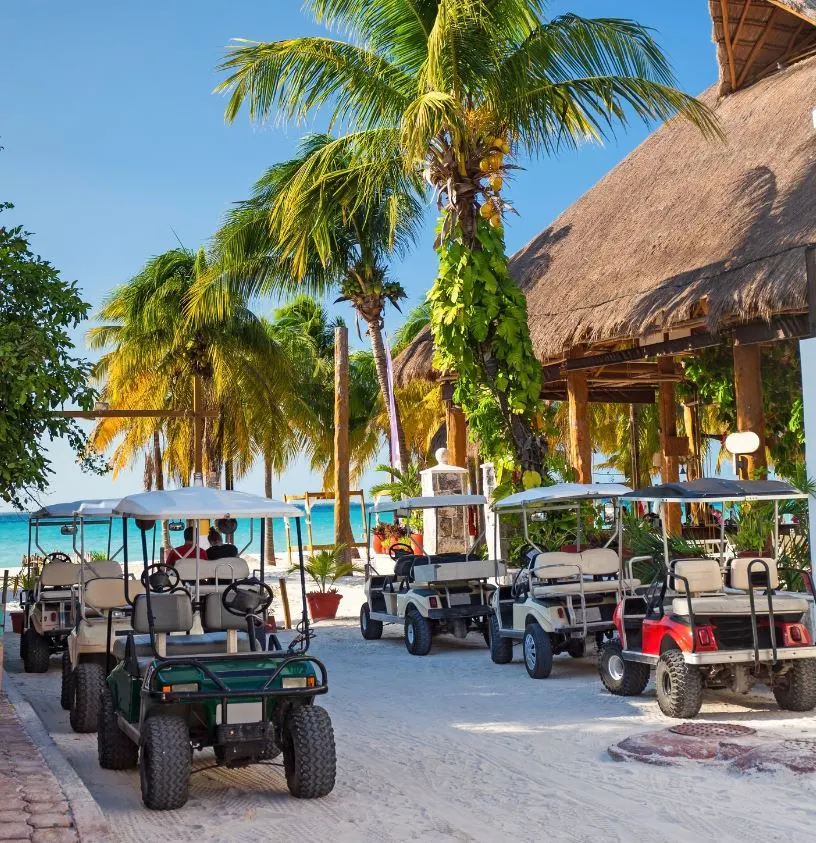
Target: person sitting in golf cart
<point x="188" y="550"/>
<point x="217" y="548"/>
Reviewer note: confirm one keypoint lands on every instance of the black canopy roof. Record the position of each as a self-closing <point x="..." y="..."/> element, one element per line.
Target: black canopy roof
<point x="717" y="489"/>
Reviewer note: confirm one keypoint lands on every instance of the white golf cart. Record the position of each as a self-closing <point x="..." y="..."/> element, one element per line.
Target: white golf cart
<point x="430" y="594"/>
<point x="49" y="604"/>
<point x="716" y="623"/>
<point x="559" y="599"/>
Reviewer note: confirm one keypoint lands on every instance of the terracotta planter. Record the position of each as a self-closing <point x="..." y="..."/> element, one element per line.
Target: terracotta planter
<point x="377" y="543"/>
<point x="323" y="607"/>
<point x="17" y="621"/>
<point x="416" y="542"/>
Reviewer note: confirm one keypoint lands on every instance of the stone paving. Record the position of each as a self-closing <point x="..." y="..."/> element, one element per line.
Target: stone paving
<point x="32" y="804"/>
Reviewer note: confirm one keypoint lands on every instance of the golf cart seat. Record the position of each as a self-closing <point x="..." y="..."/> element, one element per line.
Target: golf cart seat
<point x="758" y="576"/>
<point x="102" y="569"/>
<point x="213" y="574"/>
<point x="103" y="595"/>
<point x="595" y="571"/>
<point x="172" y="613"/>
<point x="57" y="579"/>
<point x="708" y="597"/>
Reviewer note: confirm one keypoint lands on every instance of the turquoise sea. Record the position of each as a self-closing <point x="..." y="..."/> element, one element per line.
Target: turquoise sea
<point x="14" y="535"/>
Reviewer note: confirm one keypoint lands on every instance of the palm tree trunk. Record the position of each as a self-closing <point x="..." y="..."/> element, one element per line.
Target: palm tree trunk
<point x="269" y="533"/>
<point x="378" y="349"/>
<point x="158" y="470"/>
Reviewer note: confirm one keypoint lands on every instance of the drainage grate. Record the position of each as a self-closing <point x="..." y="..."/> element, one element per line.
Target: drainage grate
<point x="712" y="730"/>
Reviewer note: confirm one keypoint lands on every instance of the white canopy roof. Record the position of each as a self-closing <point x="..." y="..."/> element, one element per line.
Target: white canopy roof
<point x="97" y="508"/>
<point x="561" y="493"/>
<point x="58" y="510"/>
<point x="198" y="502"/>
<point x="431" y="502"/>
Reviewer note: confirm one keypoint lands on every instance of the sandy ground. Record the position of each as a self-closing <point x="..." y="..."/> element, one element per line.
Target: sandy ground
<point x="451" y="747"/>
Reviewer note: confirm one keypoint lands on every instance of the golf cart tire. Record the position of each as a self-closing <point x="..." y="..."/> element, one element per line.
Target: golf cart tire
<point x="538" y="652"/>
<point x="501" y="649"/>
<point x="634" y="676"/>
<point x="309" y="754"/>
<point x="116" y="751"/>
<point x="576" y="647"/>
<point x="89" y="683"/>
<point x="679" y="686"/>
<point x="37" y="652"/>
<point x="371" y="630"/>
<point x="165" y="762"/>
<point x="67" y="687"/>
<point x="797" y="690"/>
<point x="418" y="633"/>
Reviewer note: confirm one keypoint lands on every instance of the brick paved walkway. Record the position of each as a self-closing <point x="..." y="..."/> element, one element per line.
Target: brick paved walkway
<point x="32" y="804"/>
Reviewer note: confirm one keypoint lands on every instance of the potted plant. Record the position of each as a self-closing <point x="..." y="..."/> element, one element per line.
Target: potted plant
<point x="378" y="534"/>
<point x="394" y="534"/>
<point x="324" y="568"/>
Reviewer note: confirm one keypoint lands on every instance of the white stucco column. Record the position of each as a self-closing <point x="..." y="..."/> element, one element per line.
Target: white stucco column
<point x="445" y="530"/>
<point x="807" y="350"/>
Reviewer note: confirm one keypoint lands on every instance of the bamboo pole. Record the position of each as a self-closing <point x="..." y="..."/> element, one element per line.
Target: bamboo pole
<point x="342" y="520"/>
<point x="284" y="596"/>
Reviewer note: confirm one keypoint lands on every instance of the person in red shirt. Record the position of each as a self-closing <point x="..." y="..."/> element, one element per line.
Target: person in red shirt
<point x="186" y="550"/>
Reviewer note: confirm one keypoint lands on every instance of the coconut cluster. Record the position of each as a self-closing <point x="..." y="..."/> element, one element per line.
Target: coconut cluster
<point x="492" y="166"/>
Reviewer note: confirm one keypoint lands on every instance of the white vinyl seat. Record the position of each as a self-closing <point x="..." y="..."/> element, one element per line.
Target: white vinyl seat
<point x="103" y="595"/>
<point x="758" y="576"/>
<point x="213" y="575"/>
<point x="739" y="604"/>
<point x="578" y="571"/>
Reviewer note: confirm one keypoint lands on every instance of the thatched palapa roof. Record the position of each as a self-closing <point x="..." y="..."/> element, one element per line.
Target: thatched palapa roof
<point x="687" y="231"/>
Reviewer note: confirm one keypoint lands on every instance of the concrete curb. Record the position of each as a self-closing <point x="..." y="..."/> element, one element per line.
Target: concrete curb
<point x="89" y="821"/>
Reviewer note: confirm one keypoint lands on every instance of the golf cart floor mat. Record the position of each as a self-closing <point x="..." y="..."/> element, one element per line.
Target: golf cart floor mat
<point x="729" y="745"/>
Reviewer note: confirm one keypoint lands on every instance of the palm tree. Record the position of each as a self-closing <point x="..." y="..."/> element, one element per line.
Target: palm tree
<point x="153" y="352"/>
<point x="303" y="230"/>
<point x="460" y="89"/>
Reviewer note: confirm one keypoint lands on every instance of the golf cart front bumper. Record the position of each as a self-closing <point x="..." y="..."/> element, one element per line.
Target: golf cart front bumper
<point x="717" y="657"/>
<point x="456" y="612"/>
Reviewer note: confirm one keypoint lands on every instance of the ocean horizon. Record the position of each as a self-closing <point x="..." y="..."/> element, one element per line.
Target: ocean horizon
<point x="14" y="535"/>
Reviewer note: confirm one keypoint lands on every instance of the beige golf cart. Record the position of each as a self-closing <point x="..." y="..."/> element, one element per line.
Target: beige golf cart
<point x="559" y="600"/>
<point x="429" y="594"/>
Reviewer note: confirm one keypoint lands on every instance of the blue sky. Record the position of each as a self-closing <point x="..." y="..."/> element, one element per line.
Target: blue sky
<point x="115" y="149"/>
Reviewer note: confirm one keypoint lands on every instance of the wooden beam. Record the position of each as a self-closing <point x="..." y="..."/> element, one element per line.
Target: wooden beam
<point x="641" y="352"/>
<point x="758" y="45"/>
<point x="729" y="48"/>
<point x="342" y="521"/>
<point x="781" y="328"/>
<point x="741" y="24"/>
<point x="791" y="11"/>
<point x="580" y="444"/>
<point x="456" y="425"/>
<point x="670" y="470"/>
<point x="750" y="406"/>
<point x="604" y="395"/>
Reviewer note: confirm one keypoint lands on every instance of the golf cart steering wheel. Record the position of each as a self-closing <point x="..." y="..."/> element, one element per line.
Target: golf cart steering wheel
<point x="399" y="547"/>
<point x="161" y="579"/>
<point x="247" y="597"/>
<point x="57" y="556"/>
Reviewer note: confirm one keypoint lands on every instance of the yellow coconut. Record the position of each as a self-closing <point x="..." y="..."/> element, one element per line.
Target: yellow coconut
<point x="495" y="159"/>
<point x="484" y="165"/>
<point x="495" y="221"/>
<point x="487" y="210"/>
<point x="497" y="183"/>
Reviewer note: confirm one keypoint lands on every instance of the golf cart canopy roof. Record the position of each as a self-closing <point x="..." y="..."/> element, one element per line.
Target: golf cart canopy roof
<point x="198" y="502"/>
<point x="717" y="490"/>
<point x="561" y="493"/>
<point x="59" y="510"/>
<point x="431" y="502"/>
<point x="97" y="508"/>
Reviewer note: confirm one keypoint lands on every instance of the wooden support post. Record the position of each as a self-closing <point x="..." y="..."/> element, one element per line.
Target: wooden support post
<point x="580" y="444"/>
<point x="284" y="596"/>
<point x="670" y="470"/>
<point x="750" y="408"/>
<point x="198" y="430"/>
<point x="342" y="521"/>
<point x="456" y="435"/>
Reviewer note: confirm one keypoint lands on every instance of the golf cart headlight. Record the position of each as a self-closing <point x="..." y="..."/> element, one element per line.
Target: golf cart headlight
<point x="298" y="682"/>
<point x="180" y="688"/>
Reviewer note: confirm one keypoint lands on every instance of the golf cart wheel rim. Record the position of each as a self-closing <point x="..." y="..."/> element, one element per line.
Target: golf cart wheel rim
<point x="530" y="651"/>
<point x="410" y="634"/>
<point x="666" y="683"/>
<point x="615" y="667"/>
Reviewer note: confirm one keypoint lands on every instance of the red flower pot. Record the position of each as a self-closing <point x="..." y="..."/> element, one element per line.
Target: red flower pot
<point x="17" y="621"/>
<point x="416" y="542"/>
<point x="323" y="607"/>
<point x="376" y="543"/>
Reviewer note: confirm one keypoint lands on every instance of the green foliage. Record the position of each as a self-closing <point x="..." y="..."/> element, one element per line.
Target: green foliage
<point x="754" y="527"/>
<point x="403" y="484"/>
<point x="794" y="555"/>
<point x="479" y="325"/>
<point x="39" y="374"/>
<point x="96" y="555"/>
<point x="325" y="567"/>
